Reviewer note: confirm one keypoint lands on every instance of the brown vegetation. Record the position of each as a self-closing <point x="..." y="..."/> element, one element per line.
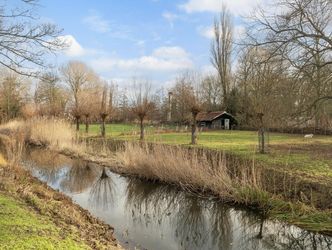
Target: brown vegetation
<point x="236" y="180"/>
<point x="71" y="218"/>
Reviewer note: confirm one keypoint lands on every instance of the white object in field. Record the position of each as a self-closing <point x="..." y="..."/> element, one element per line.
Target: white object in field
<point x="308" y="136"/>
<point x="227" y="124"/>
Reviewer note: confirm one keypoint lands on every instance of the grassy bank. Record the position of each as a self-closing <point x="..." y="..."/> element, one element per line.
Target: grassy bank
<point x="235" y="178"/>
<point x="23" y="228"/>
<point x="32" y="215"/>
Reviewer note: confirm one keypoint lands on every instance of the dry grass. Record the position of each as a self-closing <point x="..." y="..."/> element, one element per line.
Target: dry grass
<point x="12" y="141"/>
<point x="191" y="168"/>
<point x="54" y="133"/>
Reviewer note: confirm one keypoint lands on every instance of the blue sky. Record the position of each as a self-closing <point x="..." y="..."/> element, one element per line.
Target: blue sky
<point x="152" y="39"/>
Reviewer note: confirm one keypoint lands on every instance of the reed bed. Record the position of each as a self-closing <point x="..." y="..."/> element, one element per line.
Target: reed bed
<point x="55" y="134"/>
<point x="193" y="169"/>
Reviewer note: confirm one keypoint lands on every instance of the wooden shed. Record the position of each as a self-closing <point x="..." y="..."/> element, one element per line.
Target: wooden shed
<point x="216" y="120"/>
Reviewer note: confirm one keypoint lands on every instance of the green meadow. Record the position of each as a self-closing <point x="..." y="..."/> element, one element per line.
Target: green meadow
<point x="292" y="152"/>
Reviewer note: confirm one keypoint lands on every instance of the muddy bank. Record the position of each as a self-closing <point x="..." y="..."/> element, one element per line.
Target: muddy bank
<point x="71" y="218"/>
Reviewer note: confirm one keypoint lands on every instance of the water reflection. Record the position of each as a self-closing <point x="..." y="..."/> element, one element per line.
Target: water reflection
<point x="80" y="177"/>
<point x="163" y="217"/>
<point x="302" y="240"/>
<point x="221" y="223"/>
<point x="196" y="223"/>
<point x="102" y="191"/>
<point x="51" y="165"/>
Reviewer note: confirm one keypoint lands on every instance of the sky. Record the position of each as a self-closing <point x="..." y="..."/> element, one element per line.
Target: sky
<point x="151" y="39"/>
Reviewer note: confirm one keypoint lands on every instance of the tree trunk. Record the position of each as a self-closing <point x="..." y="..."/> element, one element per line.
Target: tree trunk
<point x="86" y="124"/>
<point x="194" y="130"/>
<point x="262" y="140"/>
<point x="103" y="133"/>
<point x="260" y="234"/>
<point x="261" y="134"/>
<point x="142" y="129"/>
<point x="77" y="124"/>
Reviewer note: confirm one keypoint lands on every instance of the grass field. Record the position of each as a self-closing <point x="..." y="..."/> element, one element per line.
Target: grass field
<point x="22" y="228"/>
<point x="312" y="157"/>
<point x="119" y="129"/>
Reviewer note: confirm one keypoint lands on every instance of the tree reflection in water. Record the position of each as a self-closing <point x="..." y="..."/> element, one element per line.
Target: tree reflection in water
<point x="50" y="164"/>
<point x="102" y="191"/>
<point x="80" y="177"/>
<point x="190" y="224"/>
<point x="149" y="203"/>
<point x="192" y="219"/>
<point x="221" y="225"/>
<point x="202" y="224"/>
<point x="302" y="240"/>
<point x="270" y="235"/>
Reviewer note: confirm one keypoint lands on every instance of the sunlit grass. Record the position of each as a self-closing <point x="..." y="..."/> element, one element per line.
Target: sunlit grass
<point x="22" y="228"/>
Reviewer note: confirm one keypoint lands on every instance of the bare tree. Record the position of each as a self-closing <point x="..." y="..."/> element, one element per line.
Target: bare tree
<point x="211" y="93"/>
<point x="103" y="109"/>
<point x="182" y="94"/>
<point x="142" y="103"/>
<point x="76" y="75"/>
<point x="24" y="41"/>
<point x="50" y="96"/>
<point x="13" y="92"/>
<point x="300" y="32"/>
<point x="195" y="109"/>
<point x="89" y="104"/>
<point x="194" y="102"/>
<point x="221" y="51"/>
<point x="112" y="101"/>
<point x="187" y="101"/>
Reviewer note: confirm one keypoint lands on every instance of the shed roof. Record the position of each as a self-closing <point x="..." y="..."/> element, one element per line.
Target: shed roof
<point x="210" y="116"/>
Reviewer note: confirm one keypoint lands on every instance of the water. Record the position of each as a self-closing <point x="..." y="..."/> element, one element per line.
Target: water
<point x="155" y="216"/>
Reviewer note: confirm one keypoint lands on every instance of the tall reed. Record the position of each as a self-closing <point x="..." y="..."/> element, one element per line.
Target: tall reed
<point x="51" y="132"/>
<point x="12" y="141"/>
<point x="193" y="169"/>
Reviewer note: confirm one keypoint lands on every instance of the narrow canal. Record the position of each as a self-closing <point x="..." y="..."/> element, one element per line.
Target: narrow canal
<point x="155" y="216"/>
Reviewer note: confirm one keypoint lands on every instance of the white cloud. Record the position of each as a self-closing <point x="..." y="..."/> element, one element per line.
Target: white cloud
<point x="97" y="23"/>
<point x="208" y="32"/>
<point x="170" y="53"/>
<point x="163" y="59"/>
<point x="237" y="7"/>
<point x="73" y="49"/>
<point x="170" y="17"/>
